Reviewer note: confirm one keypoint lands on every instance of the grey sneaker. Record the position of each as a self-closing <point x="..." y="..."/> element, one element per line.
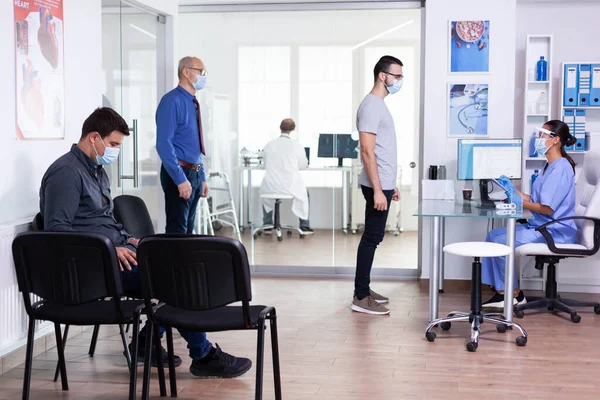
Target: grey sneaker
<point x="368" y="305"/>
<point x="379" y="298"/>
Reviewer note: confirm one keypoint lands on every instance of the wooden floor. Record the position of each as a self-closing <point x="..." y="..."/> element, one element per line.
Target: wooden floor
<point x="329" y="353"/>
<point x="329" y="248"/>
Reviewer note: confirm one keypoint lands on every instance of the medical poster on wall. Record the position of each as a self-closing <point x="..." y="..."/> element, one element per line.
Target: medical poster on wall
<point x="39" y="59"/>
<point x="469" y="46"/>
<point x="467" y="110"/>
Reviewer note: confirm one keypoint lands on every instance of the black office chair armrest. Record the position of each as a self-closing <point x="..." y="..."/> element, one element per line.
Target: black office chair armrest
<point x="543" y="229"/>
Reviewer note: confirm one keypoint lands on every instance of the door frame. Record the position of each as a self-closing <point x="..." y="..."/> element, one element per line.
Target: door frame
<point x="332" y="271"/>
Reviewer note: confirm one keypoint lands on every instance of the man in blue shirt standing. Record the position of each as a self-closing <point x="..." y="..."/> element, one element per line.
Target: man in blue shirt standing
<point x="180" y="145"/>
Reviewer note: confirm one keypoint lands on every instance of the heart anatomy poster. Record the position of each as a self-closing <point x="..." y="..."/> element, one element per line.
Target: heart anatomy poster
<point x="39" y="58"/>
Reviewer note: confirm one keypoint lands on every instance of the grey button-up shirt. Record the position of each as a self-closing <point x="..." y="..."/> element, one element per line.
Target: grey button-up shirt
<point x="75" y="196"/>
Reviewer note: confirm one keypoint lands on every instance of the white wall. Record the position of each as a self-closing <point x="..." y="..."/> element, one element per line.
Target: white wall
<point x="24" y="162"/>
<point x="439" y="150"/>
<point x="580" y="19"/>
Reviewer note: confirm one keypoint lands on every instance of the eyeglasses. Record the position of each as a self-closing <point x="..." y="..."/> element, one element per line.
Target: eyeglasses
<point x="541" y="132"/>
<point x="394" y="75"/>
<point x="202" y="71"/>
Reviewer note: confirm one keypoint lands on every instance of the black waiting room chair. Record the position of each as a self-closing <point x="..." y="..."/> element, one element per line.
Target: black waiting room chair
<point x="195" y="279"/>
<point x="72" y="274"/>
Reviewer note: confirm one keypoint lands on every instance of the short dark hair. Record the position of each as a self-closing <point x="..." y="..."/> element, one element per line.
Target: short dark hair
<point x="287" y="125"/>
<point x="104" y="120"/>
<point x="383" y="65"/>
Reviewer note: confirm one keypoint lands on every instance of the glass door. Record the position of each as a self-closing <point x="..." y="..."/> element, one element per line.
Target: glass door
<point x="129" y="57"/>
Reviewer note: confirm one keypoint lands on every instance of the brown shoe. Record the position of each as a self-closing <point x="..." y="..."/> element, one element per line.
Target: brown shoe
<point x="379" y="298"/>
<point x="368" y="305"/>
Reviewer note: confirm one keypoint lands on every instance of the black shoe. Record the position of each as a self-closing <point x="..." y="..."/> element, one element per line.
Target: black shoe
<point x="154" y="361"/>
<point x="219" y="364"/>
<point x="521" y="298"/>
<point x="496" y="302"/>
<point x="307" y="230"/>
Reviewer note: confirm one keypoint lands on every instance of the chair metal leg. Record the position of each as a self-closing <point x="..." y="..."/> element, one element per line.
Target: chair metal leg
<point x="159" y="361"/>
<point x="275" y="351"/>
<point x="64" y="341"/>
<point x="94" y="340"/>
<point x="560" y="306"/>
<point x="171" y="353"/>
<point x="134" y="358"/>
<point x="147" y="366"/>
<point x="260" y="352"/>
<point x="499" y="321"/>
<point x="124" y="340"/>
<point x="438" y="321"/>
<point x="578" y="303"/>
<point x="61" y="357"/>
<point x="28" y="358"/>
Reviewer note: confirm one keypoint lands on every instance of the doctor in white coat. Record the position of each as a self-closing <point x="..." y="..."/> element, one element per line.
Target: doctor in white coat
<point x="284" y="157"/>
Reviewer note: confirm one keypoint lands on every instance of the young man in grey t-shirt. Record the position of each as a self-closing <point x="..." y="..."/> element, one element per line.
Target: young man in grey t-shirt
<point x="378" y="152"/>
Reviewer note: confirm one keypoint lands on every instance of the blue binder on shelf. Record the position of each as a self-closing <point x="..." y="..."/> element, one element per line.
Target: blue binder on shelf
<point x="595" y="86"/>
<point x="585" y="78"/>
<point x="569" y="119"/>
<point x="571" y="85"/>
<point x="579" y="130"/>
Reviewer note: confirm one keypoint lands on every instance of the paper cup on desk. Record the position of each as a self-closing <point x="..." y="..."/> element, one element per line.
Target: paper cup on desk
<point x="467" y="194"/>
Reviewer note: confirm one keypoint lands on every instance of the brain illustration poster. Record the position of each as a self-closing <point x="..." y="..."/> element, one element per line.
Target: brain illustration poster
<point x="39" y="59"/>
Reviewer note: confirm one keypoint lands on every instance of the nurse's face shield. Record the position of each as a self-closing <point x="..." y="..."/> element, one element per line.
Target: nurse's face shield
<point x="544" y="133"/>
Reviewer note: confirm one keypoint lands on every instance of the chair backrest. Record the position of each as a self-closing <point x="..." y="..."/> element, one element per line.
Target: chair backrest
<point x="194" y="272"/>
<point x="132" y="213"/>
<point x="588" y="198"/>
<point x="38" y="223"/>
<point x="66" y="268"/>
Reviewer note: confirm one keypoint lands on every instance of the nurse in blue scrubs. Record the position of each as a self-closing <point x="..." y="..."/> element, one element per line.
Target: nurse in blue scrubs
<point x="552" y="197"/>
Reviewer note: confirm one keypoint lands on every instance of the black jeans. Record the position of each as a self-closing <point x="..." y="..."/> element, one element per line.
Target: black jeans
<point x="375" y="221"/>
<point x="181" y="214"/>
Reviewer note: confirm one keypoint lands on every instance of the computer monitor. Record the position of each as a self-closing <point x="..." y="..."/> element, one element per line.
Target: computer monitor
<point x="486" y="159"/>
<point x="307" y="151"/>
<point x="489" y="158"/>
<point x="345" y="146"/>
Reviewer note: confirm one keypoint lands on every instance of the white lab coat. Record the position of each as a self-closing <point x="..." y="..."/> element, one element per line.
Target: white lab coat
<point x="284" y="158"/>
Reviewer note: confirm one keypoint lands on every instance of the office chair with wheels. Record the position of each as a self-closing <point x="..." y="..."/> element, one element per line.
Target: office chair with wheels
<point x="277" y="226"/>
<point x="587" y="219"/>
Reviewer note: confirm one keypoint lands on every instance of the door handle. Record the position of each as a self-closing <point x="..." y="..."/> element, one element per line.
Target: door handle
<point x="136" y="171"/>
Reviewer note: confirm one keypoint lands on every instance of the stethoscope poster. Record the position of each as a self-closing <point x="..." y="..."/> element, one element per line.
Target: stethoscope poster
<point x="467" y="110"/>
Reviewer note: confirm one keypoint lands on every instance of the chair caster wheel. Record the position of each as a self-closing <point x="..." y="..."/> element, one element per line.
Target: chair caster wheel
<point x="597" y="309"/>
<point x="501" y="328"/>
<point x="446" y="326"/>
<point x="302" y="236"/>
<point x="279" y="238"/>
<point x="289" y="233"/>
<point x="472" y="346"/>
<point x="430" y="336"/>
<point x="259" y="233"/>
<point x="519" y="314"/>
<point x="521" y="341"/>
<point x="576" y="318"/>
<point x="255" y="236"/>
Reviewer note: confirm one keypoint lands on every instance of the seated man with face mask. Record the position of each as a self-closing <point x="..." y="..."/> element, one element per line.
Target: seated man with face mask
<point x="75" y="196"/>
<point x="284" y="157"/>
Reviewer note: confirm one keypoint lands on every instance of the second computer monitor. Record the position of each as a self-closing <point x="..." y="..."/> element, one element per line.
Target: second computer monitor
<point x="489" y="158"/>
<point x="338" y="146"/>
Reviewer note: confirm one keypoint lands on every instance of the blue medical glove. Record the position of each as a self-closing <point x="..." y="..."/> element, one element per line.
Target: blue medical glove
<point x="505" y="181"/>
<point x="516" y="200"/>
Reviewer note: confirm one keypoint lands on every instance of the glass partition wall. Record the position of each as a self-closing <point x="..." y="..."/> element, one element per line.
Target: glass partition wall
<point x="314" y="67"/>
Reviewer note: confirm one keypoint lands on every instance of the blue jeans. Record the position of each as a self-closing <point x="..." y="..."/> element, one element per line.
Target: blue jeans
<point x="375" y="221"/>
<point x="198" y="345"/>
<point x="181" y="214"/>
